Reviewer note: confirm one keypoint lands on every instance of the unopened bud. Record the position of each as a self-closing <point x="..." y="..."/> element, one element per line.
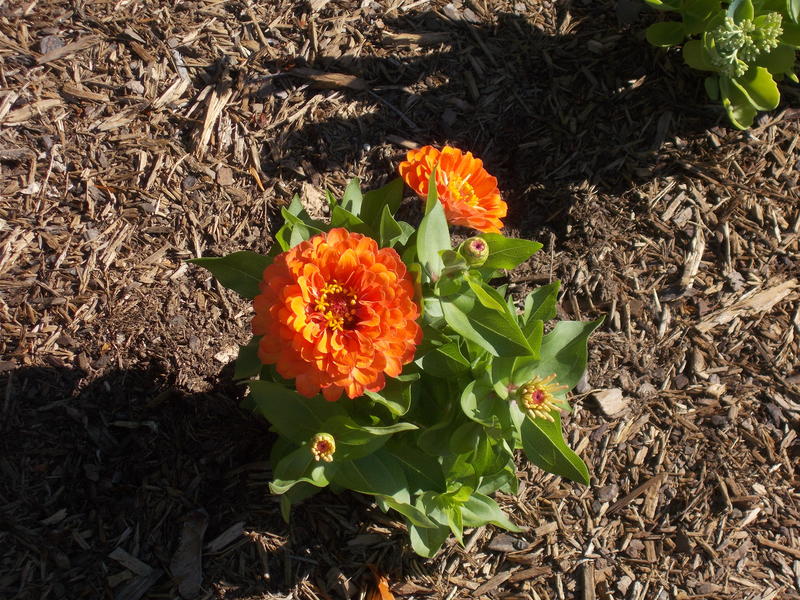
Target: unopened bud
<point x="475" y="251"/>
<point x="323" y="446"/>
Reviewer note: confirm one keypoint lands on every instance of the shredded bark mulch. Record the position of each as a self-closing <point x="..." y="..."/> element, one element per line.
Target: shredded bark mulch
<point x="137" y="134"/>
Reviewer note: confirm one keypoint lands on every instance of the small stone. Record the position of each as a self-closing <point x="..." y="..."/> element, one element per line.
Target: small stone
<point x="608" y="493"/>
<point x="135" y="87"/>
<point x="50" y="43"/>
<point x="611" y="401"/>
<point x="224" y="176"/>
<point x="226" y="354"/>
<point x="719" y="420"/>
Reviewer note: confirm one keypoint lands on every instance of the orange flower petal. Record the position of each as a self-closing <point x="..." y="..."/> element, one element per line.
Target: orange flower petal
<point x="337" y="314"/>
<point x="467" y="192"/>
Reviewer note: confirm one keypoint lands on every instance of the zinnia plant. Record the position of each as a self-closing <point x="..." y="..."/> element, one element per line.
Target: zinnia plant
<point x="387" y="362"/>
<point x="746" y="45"/>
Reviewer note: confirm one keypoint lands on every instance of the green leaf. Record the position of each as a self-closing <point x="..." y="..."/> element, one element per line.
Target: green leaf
<point x="412" y="514"/>
<point x="544" y="446"/>
<point x="779" y="60"/>
<point x="433" y="235"/>
<point x="422" y="471"/>
<point x="564" y="351"/>
<point x="290" y="414"/>
<point x="736" y="103"/>
<point x="247" y="363"/>
<point x="444" y="361"/>
<point x="481" y="510"/>
<point x="507" y="253"/>
<point x="793" y="10"/>
<point x="498" y="333"/>
<point x="486" y="295"/>
<point x="665" y="34"/>
<point x="343" y="218"/>
<point x="375" y="201"/>
<point x="760" y="88"/>
<point x="396" y="395"/>
<point x="378" y="473"/>
<point x="695" y="55"/>
<point x="351" y="201"/>
<point x="299" y="466"/>
<point x="540" y="304"/>
<point x="426" y="541"/>
<point x="482" y="405"/>
<point x="664" y="5"/>
<point x="791" y="33"/>
<point x="740" y="10"/>
<point x="240" y="271"/>
<point x="711" y="84"/>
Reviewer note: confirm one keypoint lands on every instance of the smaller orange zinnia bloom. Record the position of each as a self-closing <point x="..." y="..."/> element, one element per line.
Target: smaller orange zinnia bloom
<point x="467" y="192"/>
<point x="337" y="314"/>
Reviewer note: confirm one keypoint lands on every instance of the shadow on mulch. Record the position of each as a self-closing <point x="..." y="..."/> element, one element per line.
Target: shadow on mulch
<point x="132" y="458"/>
<point x="547" y="113"/>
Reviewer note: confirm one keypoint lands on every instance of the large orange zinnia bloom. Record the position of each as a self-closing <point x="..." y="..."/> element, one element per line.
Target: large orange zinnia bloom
<point x="467" y="192"/>
<point x="337" y="314"/>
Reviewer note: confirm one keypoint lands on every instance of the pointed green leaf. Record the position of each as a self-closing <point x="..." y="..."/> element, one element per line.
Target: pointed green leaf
<point x="352" y="199"/>
<point x="247" y="363"/>
<point x="481" y="510"/>
<point x="240" y="271"/>
<point x="433" y="235"/>
<point x="507" y="253"/>
<point x="290" y="414"/>
<point x="544" y="446"/>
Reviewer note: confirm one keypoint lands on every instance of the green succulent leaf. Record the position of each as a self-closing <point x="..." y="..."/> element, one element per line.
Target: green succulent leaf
<point x="544" y="445"/>
<point x="793" y="10"/>
<point x="759" y="87"/>
<point x="665" y="34"/>
<point x="779" y="60"/>
<point x="696" y="56"/>
<point x="240" y="272"/>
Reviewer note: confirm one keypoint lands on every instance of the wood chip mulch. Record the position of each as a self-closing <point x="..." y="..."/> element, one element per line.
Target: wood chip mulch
<point x="135" y="134"/>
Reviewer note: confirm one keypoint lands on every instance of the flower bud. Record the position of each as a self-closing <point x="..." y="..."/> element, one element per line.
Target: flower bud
<point x="475" y="251"/>
<point x="323" y="446"/>
<point x="536" y="397"/>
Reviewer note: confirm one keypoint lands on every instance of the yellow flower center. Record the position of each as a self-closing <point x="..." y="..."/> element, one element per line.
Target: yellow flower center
<point x="537" y="399"/>
<point x="338" y="306"/>
<point x="460" y="188"/>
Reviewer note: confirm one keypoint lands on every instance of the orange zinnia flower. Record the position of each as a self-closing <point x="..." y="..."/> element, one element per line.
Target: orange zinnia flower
<point x="467" y="192"/>
<point x="337" y="314"/>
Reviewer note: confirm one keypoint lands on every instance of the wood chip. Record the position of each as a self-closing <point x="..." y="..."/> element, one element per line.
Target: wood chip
<point x="330" y="81"/>
<point x="69" y="49"/>
<point x="750" y="304"/>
